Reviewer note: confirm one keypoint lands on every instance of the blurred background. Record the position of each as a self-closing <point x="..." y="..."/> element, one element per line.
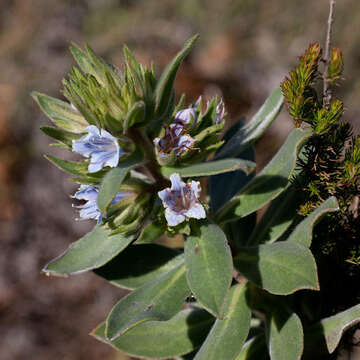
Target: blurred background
<point x="245" y="50"/>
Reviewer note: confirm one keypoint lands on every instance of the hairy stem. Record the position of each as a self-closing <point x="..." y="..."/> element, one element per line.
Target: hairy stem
<point x="327" y="89"/>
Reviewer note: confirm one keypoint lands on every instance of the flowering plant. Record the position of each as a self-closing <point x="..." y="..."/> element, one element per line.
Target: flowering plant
<point x="232" y="289"/>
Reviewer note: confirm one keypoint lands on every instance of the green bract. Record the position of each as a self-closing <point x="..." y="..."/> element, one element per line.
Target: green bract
<point x="232" y="291"/>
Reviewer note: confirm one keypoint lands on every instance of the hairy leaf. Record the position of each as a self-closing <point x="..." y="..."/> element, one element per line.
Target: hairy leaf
<point x="159" y="299"/>
<point x="210" y="168"/>
<point x="209" y="267"/>
<point x="280" y="268"/>
<point x="247" y="134"/>
<point x="286" y="337"/>
<point x="269" y="183"/>
<point x="137" y="265"/>
<point x="302" y="234"/>
<point x="228" y="335"/>
<point x="90" y="252"/>
<point x="163" y="339"/>
<point x="61" y="113"/>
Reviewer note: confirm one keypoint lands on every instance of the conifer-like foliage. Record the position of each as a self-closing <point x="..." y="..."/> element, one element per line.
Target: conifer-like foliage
<point x="329" y="166"/>
<point x="238" y="288"/>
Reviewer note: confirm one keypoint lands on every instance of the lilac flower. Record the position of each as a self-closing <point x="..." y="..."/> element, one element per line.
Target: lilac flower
<point x="220" y="112"/>
<point x="102" y="148"/>
<point x="173" y="140"/>
<point x="90" y="209"/>
<point x="181" y="201"/>
<point x="184" y="116"/>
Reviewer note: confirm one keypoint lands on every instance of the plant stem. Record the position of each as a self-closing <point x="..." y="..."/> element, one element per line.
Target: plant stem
<point x="327" y="89"/>
<point x="151" y="164"/>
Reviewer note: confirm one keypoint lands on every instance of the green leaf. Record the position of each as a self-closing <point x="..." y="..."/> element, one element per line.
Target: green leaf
<point x="210" y="168"/>
<point x="135" y="115"/>
<point x="79" y="168"/>
<point x="224" y="186"/>
<point x="112" y="181"/>
<point x="302" y="234"/>
<point x="247" y="134"/>
<point x="254" y="349"/>
<point x="150" y="233"/>
<point x="286" y="337"/>
<point x="280" y="268"/>
<point x="137" y="265"/>
<point x="61" y="113"/>
<point x="159" y="299"/>
<point x="227" y="336"/>
<point x="163" y="339"/>
<point x="331" y="329"/>
<point x="277" y="218"/>
<point x="164" y="87"/>
<point x="90" y="252"/>
<point x="238" y="232"/>
<point x="89" y="62"/>
<point x="269" y="183"/>
<point x="63" y="136"/>
<point x="209" y="267"/>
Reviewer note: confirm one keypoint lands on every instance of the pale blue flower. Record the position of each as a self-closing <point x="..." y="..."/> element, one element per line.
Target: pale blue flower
<point x="90" y="209"/>
<point x="100" y="146"/>
<point x="181" y="201"/>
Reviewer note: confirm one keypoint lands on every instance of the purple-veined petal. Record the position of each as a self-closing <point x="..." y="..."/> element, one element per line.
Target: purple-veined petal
<point x="176" y="183"/>
<point x="181" y="201"/>
<point x="173" y="218"/>
<point x="102" y="148"/>
<point x="197" y="211"/>
<point x="184" y="116"/>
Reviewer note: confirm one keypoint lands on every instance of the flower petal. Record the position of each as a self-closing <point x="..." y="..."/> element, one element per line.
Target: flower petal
<point x="173" y="218"/>
<point x="176" y="183"/>
<point x="197" y="211"/>
<point x="196" y="188"/>
<point x="185" y="115"/>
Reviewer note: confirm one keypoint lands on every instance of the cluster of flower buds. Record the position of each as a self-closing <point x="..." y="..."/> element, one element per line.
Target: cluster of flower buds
<point x="192" y="134"/>
<point x="110" y="118"/>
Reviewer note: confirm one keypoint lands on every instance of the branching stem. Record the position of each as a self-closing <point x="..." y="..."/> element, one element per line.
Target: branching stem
<point x="327" y="89"/>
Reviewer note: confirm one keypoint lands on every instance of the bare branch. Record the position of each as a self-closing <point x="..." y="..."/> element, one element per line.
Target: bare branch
<point x="327" y="89"/>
